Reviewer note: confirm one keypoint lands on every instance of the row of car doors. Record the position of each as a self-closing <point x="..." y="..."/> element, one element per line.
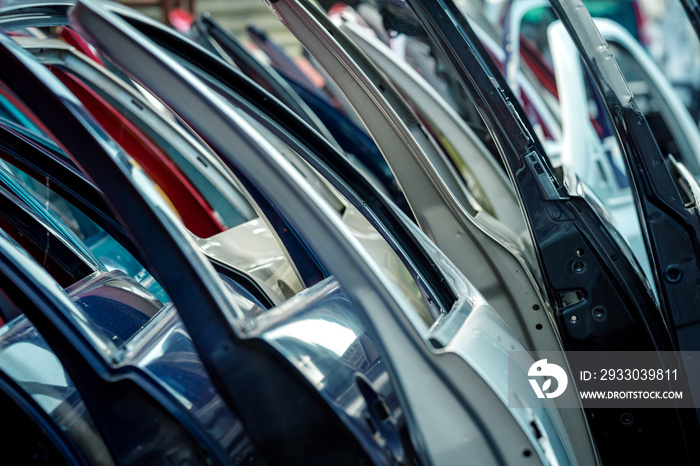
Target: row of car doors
<point x="197" y="270"/>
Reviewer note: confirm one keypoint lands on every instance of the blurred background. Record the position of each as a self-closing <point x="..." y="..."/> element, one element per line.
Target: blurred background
<point x="661" y="26"/>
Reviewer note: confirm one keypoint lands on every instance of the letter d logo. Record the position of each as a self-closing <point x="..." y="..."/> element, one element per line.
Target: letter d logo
<point x="542" y="369"/>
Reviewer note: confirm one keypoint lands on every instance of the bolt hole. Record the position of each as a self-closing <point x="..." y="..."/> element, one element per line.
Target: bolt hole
<point x="527" y="453"/>
<point x="538" y="326"/>
<point x="580" y="252"/>
<point x="599" y="313"/>
<point x="536" y="307"/>
<point x="627" y="419"/>
<point x="578" y="266"/>
<point x="673" y="274"/>
<point x="573" y="319"/>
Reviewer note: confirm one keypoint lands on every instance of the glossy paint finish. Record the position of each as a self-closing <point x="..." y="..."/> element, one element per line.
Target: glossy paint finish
<point x="385" y="328"/>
